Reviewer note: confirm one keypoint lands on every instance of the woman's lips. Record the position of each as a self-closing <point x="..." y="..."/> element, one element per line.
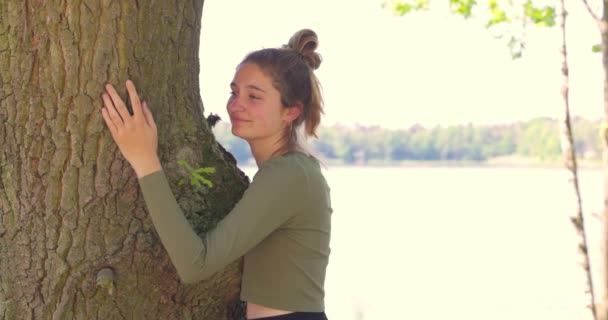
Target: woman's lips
<point x="236" y="119"/>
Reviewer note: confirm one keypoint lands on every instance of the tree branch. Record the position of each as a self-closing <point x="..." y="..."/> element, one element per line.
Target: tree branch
<point x="593" y="14"/>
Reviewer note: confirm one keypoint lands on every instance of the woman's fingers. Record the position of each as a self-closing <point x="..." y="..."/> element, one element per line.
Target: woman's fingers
<point x="135" y="102"/>
<point x="118" y="103"/>
<point x="109" y="121"/>
<point x="115" y="112"/>
<point x="115" y="120"/>
<point x="148" y="116"/>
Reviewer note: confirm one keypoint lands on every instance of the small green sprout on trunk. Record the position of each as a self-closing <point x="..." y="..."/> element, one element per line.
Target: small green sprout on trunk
<point x="196" y="175"/>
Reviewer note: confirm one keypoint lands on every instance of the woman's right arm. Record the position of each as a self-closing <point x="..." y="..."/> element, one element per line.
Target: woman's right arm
<point x="266" y="205"/>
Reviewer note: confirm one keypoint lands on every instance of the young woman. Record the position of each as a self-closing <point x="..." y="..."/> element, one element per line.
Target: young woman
<point x="282" y="223"/>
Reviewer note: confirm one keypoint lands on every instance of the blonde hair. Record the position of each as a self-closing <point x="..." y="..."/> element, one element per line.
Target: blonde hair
<point x="291" y="68"/>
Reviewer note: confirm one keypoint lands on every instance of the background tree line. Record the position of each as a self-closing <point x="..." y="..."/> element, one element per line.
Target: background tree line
<point x="536" y="140"/>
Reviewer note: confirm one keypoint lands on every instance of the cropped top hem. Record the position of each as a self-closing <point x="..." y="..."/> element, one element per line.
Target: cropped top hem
<point x="271" y="302"/>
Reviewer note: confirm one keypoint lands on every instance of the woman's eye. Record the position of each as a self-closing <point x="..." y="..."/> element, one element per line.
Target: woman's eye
<point x="254" y="97"/>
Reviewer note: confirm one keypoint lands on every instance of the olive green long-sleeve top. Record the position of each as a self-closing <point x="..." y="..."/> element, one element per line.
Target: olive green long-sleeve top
<point x="281" y="225"/>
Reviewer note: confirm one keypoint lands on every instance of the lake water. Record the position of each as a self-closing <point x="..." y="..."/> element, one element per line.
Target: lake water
<point x="457" y="243"/>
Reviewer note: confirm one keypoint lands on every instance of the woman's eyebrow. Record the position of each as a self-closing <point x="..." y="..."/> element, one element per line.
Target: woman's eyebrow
<point x="251" y="86"/>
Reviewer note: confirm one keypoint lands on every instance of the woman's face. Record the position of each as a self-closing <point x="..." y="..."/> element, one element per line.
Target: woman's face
<point x="254" y="106"/>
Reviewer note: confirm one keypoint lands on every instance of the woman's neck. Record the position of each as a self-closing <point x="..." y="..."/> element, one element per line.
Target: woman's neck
<point x="264" y="150"/>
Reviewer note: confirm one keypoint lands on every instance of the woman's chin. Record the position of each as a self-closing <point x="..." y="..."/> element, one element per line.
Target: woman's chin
<point x="238" y="133"/>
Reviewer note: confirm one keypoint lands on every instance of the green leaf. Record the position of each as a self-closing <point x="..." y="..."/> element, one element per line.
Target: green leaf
<point x="185" y="164"/>
<point x="516" y="47"/>
<point x="402" y="7"/>
<point x="207" y="182"/>
<point x="544" y="17"/>
<point x="497" y="15"/>
<point x="205" y="170"/>
<point x="195" y="176"/>
<point x="181" y="182"/>
<point x="463" y="7"/>
<point x="516" y="55"/>
<point x="596" y="48"/>
<point x="497" y="18"/>
<point x="194" y="182"/>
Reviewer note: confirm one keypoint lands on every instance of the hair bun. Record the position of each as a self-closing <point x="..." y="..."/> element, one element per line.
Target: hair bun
<point x="305" y="42"/>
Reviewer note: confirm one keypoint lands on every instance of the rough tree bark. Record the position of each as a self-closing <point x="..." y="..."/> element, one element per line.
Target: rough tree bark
<point x="70" y="205"/>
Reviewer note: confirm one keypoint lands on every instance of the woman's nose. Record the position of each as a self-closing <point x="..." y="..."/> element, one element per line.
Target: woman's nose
<point x="234" y="103"/>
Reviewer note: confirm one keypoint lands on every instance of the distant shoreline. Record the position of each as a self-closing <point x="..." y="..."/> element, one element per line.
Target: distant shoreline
<point x="503" y="162"/>
<point x="509" y="161"/>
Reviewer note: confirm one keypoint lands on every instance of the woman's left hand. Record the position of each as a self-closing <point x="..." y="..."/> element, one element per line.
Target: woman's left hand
<point x="136" y="136"/>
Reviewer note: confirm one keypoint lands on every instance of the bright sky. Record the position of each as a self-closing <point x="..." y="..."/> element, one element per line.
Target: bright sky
<point x="429" y="68"/>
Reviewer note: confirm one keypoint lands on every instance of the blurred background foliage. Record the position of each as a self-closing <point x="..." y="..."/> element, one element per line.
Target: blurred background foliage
<point x="527" y="142"/>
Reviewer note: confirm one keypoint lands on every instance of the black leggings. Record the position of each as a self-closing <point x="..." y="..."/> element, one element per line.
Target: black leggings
<point x="298" y="316"/>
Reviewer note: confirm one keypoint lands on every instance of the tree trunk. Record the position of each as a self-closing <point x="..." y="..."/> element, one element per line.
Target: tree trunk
<point x="75" y="238"/>
<point x="603" y="26"/>
<point x="569" y="156"/>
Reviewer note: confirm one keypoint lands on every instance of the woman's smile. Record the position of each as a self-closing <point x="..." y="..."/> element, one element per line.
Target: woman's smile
<point x="236" y="119"/>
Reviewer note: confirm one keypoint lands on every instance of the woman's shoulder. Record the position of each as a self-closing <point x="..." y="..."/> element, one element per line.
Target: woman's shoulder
<point x="293" y="173"/>
<point x="291" y="165"/>
<point x="293" y="160"/>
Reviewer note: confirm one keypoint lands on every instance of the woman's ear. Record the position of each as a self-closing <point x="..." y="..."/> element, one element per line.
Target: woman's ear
<point x="293" y="112"/>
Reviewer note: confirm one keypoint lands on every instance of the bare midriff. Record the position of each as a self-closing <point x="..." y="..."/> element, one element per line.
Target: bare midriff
<point x="255" y="311"/>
